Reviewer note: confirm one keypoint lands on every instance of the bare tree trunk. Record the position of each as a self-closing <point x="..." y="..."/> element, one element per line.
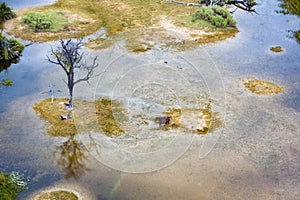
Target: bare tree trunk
<point x="71" y="87"/>
<point x="69" y="58"/>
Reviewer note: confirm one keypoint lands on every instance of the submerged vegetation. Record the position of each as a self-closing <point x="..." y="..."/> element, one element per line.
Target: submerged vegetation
<point x="198" y="121"/>
<point x="10" y="185"/>
<point x="108" y="116"/>
<point x="6" y="82"/>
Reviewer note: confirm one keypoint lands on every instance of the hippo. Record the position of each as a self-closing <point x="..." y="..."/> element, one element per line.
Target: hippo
<point x="162" y="120"/>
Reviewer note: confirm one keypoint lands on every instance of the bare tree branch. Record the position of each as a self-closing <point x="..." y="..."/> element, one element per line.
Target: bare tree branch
<point x="246" y="5"/>
<point x="58" y="60"/>
<point x="90" y="71"/>
<point x="69" y="58"/>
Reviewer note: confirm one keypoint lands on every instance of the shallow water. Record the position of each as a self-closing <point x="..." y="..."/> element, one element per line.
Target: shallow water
<point x="254" y="156"/>
<point x="19" y="4"/>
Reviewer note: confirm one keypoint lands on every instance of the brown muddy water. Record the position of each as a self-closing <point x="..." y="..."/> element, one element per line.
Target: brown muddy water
<point x="253" y="154"/>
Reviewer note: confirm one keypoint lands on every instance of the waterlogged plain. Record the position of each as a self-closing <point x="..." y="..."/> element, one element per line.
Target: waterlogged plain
<point x="256" y="155"/>
<point x="141" y="24"/>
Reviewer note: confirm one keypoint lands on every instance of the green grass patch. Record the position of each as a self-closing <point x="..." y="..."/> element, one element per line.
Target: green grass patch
<point x="49" y="21"/>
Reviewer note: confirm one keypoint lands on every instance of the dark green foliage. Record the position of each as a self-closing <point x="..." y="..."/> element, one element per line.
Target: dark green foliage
<point x="11" y="185"/>
<point x="217" y="16"/>
<point x="290" y="7"/>
<point x="37" y="21"/>
<point x="297" y="35"/>
<point x="9" y="48"/>
<point x="5" y="12"/>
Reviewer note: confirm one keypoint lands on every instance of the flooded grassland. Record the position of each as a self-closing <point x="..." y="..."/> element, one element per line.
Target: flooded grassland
<point x="250" y="149"/>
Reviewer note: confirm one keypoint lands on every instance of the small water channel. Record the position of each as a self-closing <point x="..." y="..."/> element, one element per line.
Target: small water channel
<point x="253" y="155"/>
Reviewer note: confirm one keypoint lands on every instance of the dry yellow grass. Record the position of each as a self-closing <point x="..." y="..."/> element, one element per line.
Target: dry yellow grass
<point x="58" y="195"/>
<point x="97" y="116"/>
<point x="261" y="87"/>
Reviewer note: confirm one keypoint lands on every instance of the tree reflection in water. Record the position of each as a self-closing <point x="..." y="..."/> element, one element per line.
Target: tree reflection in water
<point x="72" y="157"/>
<point x="4" y="65"/>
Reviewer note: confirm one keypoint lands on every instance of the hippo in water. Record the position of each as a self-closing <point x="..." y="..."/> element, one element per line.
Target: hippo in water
<point x="162" y="120"/>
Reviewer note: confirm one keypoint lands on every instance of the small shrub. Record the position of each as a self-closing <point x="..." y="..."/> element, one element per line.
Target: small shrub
<point x="5" y="13"/>
<point x="44" y="21"/>
<point x="217" y="16"/>
<point x="37" y="21"/>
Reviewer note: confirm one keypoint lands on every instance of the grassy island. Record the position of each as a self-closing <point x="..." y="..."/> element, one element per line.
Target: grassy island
<point x="137" y="22"/>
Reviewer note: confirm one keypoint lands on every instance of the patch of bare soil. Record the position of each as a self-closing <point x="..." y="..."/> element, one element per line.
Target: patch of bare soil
<point x="166" y="33"/>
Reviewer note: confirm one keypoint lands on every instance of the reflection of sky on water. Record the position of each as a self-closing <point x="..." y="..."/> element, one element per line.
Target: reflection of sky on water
<point x="261" y="130"/>
<point x="18" y="4"/>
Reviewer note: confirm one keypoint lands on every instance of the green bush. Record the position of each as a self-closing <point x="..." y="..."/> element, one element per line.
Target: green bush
<point x="11" y="185"/>
<point x="5" y="12"/>
<point x="290" y="7"/>
<point x="37" y="21"/>
<point x="44" y="21"/>
<point x="217" y="16"/>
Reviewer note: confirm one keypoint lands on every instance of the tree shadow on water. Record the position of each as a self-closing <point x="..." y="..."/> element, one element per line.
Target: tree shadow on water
<point x="71" y="156"/>
<point x="4" y="65"/>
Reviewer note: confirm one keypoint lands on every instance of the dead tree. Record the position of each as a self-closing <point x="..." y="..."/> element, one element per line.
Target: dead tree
<point x="246" y="5"/>
<point x="68" y="57"/>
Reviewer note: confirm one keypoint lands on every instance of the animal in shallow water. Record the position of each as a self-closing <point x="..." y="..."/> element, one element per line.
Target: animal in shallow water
<point x="162" y="120"/>
<point x="68" y="116"/>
